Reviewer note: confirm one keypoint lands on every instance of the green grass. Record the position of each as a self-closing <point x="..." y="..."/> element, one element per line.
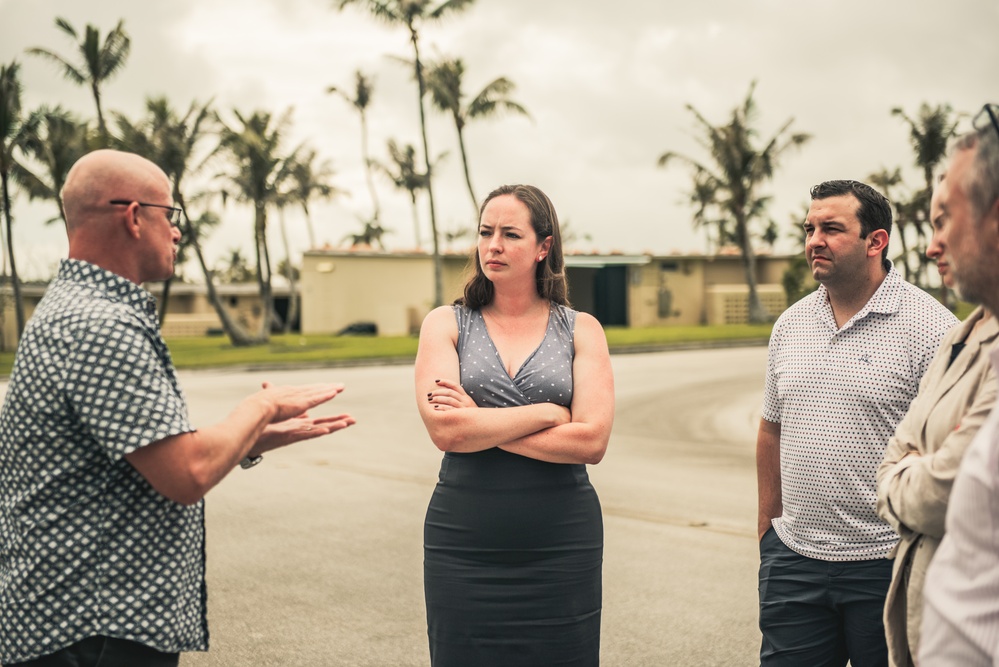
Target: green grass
<point x="963" y="309"/>
<point x="213" y="352"/>
<point x="291" y="349"/>
<point x="620" y="337"/>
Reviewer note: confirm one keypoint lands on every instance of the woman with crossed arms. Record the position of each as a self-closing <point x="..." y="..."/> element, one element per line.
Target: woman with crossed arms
<point x="516" y="389"/>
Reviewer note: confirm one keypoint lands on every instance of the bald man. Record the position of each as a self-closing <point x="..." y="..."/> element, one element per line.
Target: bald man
<point x="102" y="476"/>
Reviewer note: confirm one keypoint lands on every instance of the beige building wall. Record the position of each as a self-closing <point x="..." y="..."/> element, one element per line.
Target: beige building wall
<point x="191" y="313"/>
<point x="666" y="291"/>
<point x="394" y="291"/>
<point x="692" y="290"/>
<point x="729" y="304"/>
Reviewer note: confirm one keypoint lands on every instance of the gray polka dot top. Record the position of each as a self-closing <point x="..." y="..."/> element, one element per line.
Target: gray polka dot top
<point x="546" y="375"/>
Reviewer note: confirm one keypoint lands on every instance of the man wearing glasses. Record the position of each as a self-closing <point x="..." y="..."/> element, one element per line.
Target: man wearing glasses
<point x="101" y="474"/>
<point x="961" y="596"/>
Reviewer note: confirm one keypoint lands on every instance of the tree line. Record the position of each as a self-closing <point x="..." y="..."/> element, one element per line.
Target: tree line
<point x="727" y="198"/>
<point x="245" y="152"/>
<point x="249" y="162"/>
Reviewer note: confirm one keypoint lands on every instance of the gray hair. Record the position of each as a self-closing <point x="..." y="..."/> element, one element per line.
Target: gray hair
<point x="981" y="183"/>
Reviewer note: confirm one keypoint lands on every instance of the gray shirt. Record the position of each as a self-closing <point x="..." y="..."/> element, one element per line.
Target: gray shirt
<point x="545" y="376"/>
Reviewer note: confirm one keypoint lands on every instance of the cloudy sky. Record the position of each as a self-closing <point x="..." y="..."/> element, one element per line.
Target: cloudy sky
<point x="606" y="85"/>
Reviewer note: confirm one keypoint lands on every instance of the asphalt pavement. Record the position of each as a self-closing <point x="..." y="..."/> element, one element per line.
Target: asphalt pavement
<point x="315" y="556"/>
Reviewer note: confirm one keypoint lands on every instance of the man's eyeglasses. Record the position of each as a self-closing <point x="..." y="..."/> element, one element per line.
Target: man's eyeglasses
<point x="989" y="112"/>
<point x="173" y="214"/>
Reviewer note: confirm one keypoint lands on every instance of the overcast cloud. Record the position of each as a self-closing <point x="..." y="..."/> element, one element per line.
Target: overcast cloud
<point x="606" y="85"/>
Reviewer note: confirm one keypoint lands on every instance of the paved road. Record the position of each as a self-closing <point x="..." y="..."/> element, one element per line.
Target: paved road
<point x="315" y="556"/>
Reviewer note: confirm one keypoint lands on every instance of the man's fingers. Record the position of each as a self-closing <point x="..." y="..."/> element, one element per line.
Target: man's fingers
<point x="322" y="421"/>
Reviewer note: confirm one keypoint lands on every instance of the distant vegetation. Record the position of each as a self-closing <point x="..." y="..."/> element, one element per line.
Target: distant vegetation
<point x="214" y="156"/>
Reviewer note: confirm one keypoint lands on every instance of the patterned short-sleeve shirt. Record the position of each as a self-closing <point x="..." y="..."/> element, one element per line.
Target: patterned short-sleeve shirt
<point x="838" y="393"/>
<point x="87" y="546"/>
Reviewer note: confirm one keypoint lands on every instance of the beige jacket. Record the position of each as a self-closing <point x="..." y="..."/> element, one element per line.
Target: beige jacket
<point x="950" y="407"/>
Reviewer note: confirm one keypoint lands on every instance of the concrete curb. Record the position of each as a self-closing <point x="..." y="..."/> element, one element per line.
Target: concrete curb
<point x="402" y="361"/>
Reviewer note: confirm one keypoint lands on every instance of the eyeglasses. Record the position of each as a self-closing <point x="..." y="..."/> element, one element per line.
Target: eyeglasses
<point x="173" y="215"/>
<point x="990" y="111"/>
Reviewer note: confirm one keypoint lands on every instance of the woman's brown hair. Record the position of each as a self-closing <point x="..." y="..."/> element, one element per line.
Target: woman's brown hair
<point x="550" y="273"/>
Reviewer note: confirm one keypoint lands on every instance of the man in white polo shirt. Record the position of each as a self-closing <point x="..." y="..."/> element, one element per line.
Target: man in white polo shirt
<point x="961" y="595"/>
<point x="844" y="363"/>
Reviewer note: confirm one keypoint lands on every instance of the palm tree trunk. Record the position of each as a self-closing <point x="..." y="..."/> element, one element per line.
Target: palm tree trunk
<point x="376" y="215"/>
<point x="757" y="313"/>
<point x="464" y="163"/>
<point x="293" y="297"/>
<point x="100" y="114"/>
<point x="308" y="226"/>
<point x="438" y="265"/>
<point x="4" y="299"/>
<point x="928" y="175"/>
<point x="164" y="299"/>
<point x="62" y="214"/>
<point x="263" y="271"/>
<point x="416" y="218"/>
<point x="14" y="280"/>
<point x="238" y="336"/>
<point x="905" y="249"/>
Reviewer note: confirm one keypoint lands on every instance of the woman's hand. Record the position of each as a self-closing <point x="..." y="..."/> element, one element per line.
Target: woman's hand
<point x="448" y="395"/>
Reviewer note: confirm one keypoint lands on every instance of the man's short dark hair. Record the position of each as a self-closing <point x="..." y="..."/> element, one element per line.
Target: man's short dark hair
<point x="874" y="212"/>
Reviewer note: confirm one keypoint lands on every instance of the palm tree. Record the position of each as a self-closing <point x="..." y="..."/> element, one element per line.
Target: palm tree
<point x="370" y="236"/>
<point x="97" y="62"/>
<point x="406" y="176"/>
<point x="701" y="197"/>
<point x="171" y="141"/>
<point x="254" y="148"/>
<point x="413" y="14"/>
<point x="929" y="133"/>
<point x="308" y="181"/>
<point x="235" y="269"/>
<point x="360" y="99"/>
<point x="730" y="183"/>
<point x="444" y="79"/>
<point x="58" y="141"/>
<point x="15" y="131"/>
<point x="885" y="181"/>
<point x="292" y="313"/>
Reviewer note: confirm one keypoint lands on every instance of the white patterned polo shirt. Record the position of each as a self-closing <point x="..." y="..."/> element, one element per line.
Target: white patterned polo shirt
<point x="838" y="393"/>
<point x="87" y="546"/>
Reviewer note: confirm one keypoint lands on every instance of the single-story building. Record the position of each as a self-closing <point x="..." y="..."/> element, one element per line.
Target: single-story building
<point x="395" y="290"/>
<point x="190" y="313"/>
